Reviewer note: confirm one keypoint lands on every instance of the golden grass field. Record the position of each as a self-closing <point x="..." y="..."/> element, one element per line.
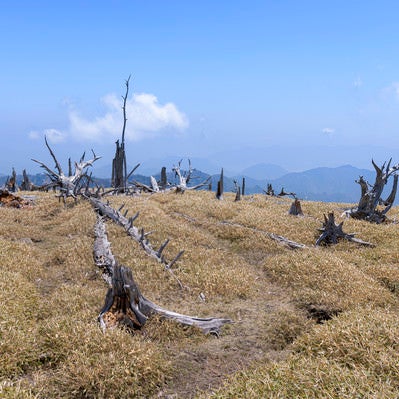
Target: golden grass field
<point x="311" y="323"/>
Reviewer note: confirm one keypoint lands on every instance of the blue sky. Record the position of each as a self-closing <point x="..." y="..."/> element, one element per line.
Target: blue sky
<point x="298" y="83"/>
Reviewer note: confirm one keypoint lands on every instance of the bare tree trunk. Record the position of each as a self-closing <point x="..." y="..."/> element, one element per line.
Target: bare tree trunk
<point x="164" y="179"/>
<point x="26" y="185"/>
<point x="220" y="188"/>
<point x="238" y="191"/>
<point x="119" y="165"/>
<point x="12" y="185"/>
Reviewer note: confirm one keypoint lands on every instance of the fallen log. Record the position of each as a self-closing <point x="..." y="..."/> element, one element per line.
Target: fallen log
<point x="137" y="235"/>
<point x="124" y="304"/>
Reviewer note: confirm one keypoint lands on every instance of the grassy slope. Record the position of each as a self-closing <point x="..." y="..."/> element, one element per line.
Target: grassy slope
<point x="51" y="293"/>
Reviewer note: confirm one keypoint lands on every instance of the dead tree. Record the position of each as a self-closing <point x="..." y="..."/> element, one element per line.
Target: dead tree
<point x="164" y="180"/>
<point x="269" y="190"/>
<point x="367" y="208"/>
<point x="284" y="193"/>
<point x="11" y="183"/>
<point x="220" y="187"/>
<point x="185" y="177"/>
<point x="124" y="304"/>
<point x="238" y="191"/>
<point x="296" y="208"/>
<point x="119" y="165"/>
<point x="243" y="187"/>
<point x="26" y="184"/>
<point x="68" y="185"/>
<point x="331" y="233"/>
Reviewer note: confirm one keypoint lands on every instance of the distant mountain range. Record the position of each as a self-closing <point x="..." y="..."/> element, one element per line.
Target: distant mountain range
<point x="319" y="184"/>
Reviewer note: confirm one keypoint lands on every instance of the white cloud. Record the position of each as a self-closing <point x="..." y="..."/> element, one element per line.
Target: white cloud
<point x="54" y="135"/>
<point x="145" y="118"/>
<point x="328" y="131"/>
<point x="33" y="135"/>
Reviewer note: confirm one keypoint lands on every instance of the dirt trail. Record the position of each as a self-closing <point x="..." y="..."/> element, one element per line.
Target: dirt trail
<point x="205" y="366"/>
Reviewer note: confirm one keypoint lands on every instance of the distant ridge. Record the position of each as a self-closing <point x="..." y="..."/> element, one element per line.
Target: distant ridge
<point x="318" y="184"/>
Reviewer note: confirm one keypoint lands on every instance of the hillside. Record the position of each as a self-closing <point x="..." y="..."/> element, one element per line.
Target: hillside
<point x="317" y="322"/>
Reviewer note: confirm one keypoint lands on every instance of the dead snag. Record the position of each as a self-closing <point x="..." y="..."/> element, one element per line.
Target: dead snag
<point x="332" y="233"/>
<point x="270" y="190"/>
<point x="119" y="165"/>
<point x="68" y="185"/>
<point x="238" y="191"/>
<point x="367" y="208"/>
<point x="11" y="183"/>
<point x="296" y="208"/>
<point x="220" y="187"/>
<point x="164" y="179"/>
<point x="124" y="304"/>
<point x="185" y="177"/>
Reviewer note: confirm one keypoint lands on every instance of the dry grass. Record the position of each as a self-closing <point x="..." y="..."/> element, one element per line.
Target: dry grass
<point x="51" y="293"/>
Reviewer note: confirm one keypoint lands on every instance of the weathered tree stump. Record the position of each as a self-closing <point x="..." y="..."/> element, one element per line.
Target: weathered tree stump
<point x="367" y="208"/>
<point x="332" y="233"/>
<point x="296" y="208"/>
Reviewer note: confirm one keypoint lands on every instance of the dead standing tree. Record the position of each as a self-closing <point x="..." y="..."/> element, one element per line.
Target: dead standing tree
<point x="68" y="185"/>
<point x="119" y="166"/>
<point x="220" y="187"/>
<point x="185" y="177"/>
<point x="371" y="194"/>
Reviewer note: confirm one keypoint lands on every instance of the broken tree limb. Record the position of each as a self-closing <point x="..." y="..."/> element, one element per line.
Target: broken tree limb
<point x="125" y="305"/>
<point x="137" y="235"/>
<point x="331" y="233"/>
